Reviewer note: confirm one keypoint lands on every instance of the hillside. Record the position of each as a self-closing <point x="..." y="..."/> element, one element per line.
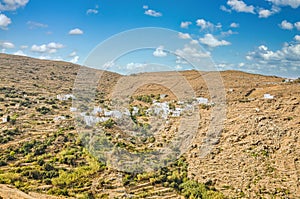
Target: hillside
<point x="42" y="155"/>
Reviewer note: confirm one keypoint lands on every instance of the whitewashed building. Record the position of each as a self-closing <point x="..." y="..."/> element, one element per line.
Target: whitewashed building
<point x="202" y="100"/>
<point x="62" y="97"/>
<point x="73" y="109"/>
<point x="59" y="118"/>
<point x="4" y="120"/>
<point x="268" y="96"/>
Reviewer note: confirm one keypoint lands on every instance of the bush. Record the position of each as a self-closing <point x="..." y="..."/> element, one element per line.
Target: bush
<point x="109" y="123"/>
<point x="43" y="110"/>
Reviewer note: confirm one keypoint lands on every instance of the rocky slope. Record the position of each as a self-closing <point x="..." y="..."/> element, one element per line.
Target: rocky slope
<point x="257" y="155"/>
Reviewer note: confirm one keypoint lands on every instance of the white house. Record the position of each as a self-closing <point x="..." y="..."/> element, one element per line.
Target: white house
<point x="116" y="114"/>
<point x="4" y="120"/>
<point x="97" y="110"/>
<point x="161" y="109"/>
<point x="73" y="109"/>
<point x="135" y="110"/>
<point x="58" y="118"/>
<point x="162" y="96"/>
<point x="65" y="97"/>
<point x="202" y="100"/>
<point x="268" y="96"/>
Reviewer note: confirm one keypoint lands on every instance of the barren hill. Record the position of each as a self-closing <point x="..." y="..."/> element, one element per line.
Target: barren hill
<point x="256" y="156"/>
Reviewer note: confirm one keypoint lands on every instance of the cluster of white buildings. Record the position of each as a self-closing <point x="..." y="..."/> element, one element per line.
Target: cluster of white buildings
<point x="160" y="109"/>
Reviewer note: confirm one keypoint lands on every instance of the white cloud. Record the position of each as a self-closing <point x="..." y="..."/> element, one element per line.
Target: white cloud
<point x="286" y="25"/>
<point x="92" y="11"/>
<point x="211" y="41"/>
<point x="184" y="35"/>
<point x="7" y="45"/>
<point x="133" y="66"/>
<point x="12" y="5"/>
<point x="51" y="48"/>
<point x="53" y="45"/>
<point x="178" y="67"/>
<point x="74" y="59"/>
<point x="153" y="13"/>
<point x="241" y="64"/>
<point x="194" y="42"/>
<point x="185" y="24"/>
<point x="265" y="13"/>
<point x="20" y="52"/>
<point x="297" y="38"/>
<point x="240" y="6"/>
<point x="297" y="25"/>
<point x="145" y="7"/>
<point x="288" y="53"/>
<point x="285" y="60"/>
<point x="40" y="49"/>
<point x="223" y="8"/>
<point x="234" y="25"/>
<point x="76" y="31"/>
<point x="206" y="25"/>
<point x="34" y="24"/>
<point x="159" y="52"/>
<point x="292" y="3"/>
<point x="4" y="21"/>
<point x="73" y="54"/>
<point x="190" y="51"/>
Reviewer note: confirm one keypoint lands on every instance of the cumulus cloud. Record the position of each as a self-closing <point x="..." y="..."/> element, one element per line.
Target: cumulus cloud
<point x="134" y="66"/>
<point x="4" y="21"/>
<point x="291" y="3"/>
<point x="20" y="53"/>
<point x="185" y="24"/>
<point x="159" y="52"/>
<point x="297" y="25"/>
<point x="234" y="25"/>
<point x="76" y="31"/>
<point x="190" y="51"/>
<point x="7" y="45"/>
<point x="288" y="53"/>
<point x="284" y="60"/>
<point x="297" y="38"/>
<point x="152" y="13"/>
<point x="51" y="48"/>
<point x="211" y="41"/>
<point x="75" y="59"/>
<point x="12" y="5"/>
<point x="206" y="25"/>
<point x="184" y="35"/>
<point x="223" y="8"/>
<point x="240" y="6"/>
<point x="286" y="25"/>
<point x="265" y="13"/>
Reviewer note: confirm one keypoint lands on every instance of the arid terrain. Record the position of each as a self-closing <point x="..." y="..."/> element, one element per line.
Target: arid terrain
<point x="257" y="154"/>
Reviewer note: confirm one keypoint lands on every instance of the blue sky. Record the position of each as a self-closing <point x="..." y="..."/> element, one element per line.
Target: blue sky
<point x="259" y="36"/>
